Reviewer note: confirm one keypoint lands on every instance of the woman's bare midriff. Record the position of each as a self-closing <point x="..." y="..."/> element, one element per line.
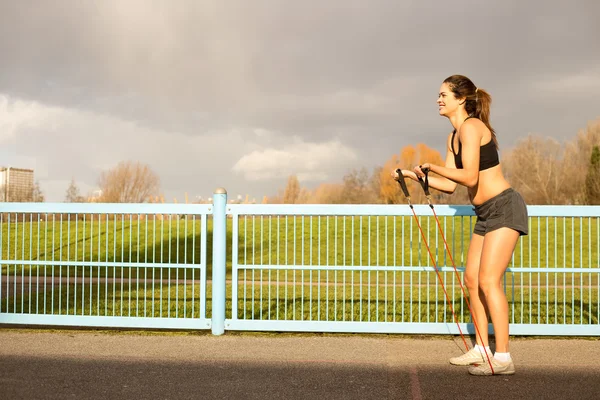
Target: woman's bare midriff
<point x="491" y="183"/>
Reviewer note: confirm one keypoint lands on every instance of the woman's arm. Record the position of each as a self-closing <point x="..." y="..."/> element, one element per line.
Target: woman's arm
<point x="439" y="183"/>
<point x="470" y="137"/>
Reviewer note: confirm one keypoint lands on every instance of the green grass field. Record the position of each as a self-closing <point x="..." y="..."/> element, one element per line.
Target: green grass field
<point x="367" y="241"/>
<point x="317" y="302"/>
<point x="170" y="250"/>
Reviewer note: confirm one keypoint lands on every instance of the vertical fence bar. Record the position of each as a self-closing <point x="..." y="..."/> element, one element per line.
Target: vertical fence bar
<point x="581" y="273"/>
<point x="572" y="313"/>
<point x="114" y="277"/>
<point x="590" y="266"/>
<point x="145" y="216"/>
<point x="185" y="261"/>
<point x="75" y="258"/>
<point x="254" y="263"/>
<point x="402" y="264"/>
<point x="2" y="258"/>
<point x="204" y="235"/>
<point x="369" y="270"/>
<point x="335" y="264"/>
<point x="154" y="259"/>
<point x="169" y="266"/>
<point x="564" y="266"/>
<point x="219" y="259"/>
<point x="106" y="273"/>
<point x="23" y="265"/>
<point x="91" y="277"/>
<point x="276" y="287"/>
<point x="278" y="262"/>
<point x="246" y="264"/>
<point x="311" y="262"/>
<point x="262" y="263"/>
<point x="137" y="268"/>
<point x="68" y="268"/>
<point x="162" y="251"/>
<point x="99" y="268"/>
<point x="45" y="256"/>
<point x="123" y="267"/>
<point x="15" y="258"/>
<point x="555" y="266"/>
<point x="301" y="271"/>
<point x="53" y="262"/>
<point x="319" y="271"/>
<point x="234" y="269"/>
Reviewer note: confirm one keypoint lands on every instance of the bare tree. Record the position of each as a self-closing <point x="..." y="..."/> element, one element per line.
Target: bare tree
<point x="327" y="193"/>
<point x="389" y="192"/>
<point x="73" y="195"/>
<point x="274" y="199"/>
<point x="592" y="180"/>
<point x="577" y="158"/>
<point x="587" y="139"/>
<point x="38" y="195"/>
<point x="360" y="188"/>
<point x="292" y="190"/>
<point x="537" y="169"/>
<point x="374" y="185"/>
<point x="128" y="182"/>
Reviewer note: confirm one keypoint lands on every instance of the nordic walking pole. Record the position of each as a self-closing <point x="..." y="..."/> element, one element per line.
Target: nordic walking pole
<point x="425" y="185"/>
<point x="402" y="183"/>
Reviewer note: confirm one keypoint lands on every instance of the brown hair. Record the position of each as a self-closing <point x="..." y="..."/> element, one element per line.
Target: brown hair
<point x="477" y="101"/>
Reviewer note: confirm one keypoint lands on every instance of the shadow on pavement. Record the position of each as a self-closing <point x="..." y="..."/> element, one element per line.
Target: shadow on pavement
<point x="63" y="378"/>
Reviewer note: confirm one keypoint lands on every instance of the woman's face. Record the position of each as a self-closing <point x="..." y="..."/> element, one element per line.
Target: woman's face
<point x="447" y="103"/>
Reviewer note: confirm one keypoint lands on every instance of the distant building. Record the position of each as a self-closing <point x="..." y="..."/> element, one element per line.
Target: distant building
<point x="16" y="184"/>
<point x="95" y="196"/>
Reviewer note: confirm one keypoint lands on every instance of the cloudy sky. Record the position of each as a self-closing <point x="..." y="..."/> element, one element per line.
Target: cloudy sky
<point x="241" y="94"/>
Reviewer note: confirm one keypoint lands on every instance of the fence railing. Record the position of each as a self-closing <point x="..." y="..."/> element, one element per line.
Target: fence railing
<point x="120" y="265"/>
<point x="365" y="268"/>
<point x="325" y="268"/>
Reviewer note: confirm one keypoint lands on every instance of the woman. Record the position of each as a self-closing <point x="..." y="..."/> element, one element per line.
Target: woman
<point x="472" y="161"/>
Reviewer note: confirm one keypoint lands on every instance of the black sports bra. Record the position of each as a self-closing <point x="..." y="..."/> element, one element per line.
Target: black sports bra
<point x="488" y="154"/>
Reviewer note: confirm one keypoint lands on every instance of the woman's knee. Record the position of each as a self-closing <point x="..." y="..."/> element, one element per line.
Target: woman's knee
<point x="471" y="282"/>
<point x="488" y="284"/>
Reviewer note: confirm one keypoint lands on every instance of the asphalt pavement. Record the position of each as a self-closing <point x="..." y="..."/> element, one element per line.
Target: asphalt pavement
<point x="65" y="364"/>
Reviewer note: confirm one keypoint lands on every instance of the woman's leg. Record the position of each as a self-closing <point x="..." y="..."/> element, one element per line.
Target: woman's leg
<point x="476" y="300"/>
<point x="498" y="247"/>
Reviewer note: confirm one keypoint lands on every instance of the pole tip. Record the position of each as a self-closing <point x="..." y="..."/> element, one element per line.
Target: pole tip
<point x="220" y="191"/>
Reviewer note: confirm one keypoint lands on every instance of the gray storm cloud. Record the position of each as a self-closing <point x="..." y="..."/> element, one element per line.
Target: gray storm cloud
<point x="186" y="85"/>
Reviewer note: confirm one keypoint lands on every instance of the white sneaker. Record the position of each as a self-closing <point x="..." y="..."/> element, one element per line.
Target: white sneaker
<point x="473" y="356"/>
<point x="500" y="368"/>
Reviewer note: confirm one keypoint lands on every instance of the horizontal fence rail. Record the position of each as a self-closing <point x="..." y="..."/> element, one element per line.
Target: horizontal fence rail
<point x="365" y="268"/>
<point x="106" y="265"/>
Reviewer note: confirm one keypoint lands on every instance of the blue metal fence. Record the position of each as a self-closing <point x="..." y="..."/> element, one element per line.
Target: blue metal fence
<point x="365" y="268"/>
<point x="105" y="265"/>
<point x="322" y="268"/>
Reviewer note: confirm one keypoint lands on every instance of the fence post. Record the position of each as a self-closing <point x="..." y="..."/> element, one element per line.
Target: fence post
<point x="219" y="261"/>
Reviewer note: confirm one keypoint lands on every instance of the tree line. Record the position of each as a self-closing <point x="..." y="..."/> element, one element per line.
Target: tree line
<point x="542" y="169"/>
<point x="127" y="182"/>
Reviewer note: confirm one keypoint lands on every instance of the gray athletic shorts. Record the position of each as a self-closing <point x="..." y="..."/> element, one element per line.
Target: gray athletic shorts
<point x="506" y="209"/>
